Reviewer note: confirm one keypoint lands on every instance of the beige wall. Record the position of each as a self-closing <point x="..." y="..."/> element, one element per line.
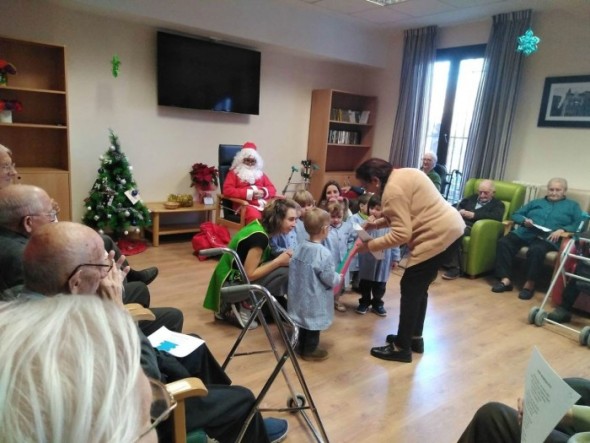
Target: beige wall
<point x="541" y="153"/>
<point x="162" y="143"/>
<point x="537" y="154"/>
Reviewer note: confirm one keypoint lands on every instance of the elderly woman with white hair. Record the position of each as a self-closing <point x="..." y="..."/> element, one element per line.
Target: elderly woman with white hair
<point x="71" y="373"/>
<point x="429" y="160"/>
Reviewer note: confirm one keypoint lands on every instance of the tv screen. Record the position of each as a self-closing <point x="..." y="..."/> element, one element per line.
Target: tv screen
<point x="200" y="74"/>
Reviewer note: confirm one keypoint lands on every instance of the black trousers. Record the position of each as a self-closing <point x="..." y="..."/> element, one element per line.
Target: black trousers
<point x="172" y="318"/>
<point x="222" y="413"/>
<point x="308" y="341"/>
<point x="277" y="283"/>
<point x="374" y="288"/>
<point x="508" y="247"/>
<point x="414" y="299"/>
<point x="136" y="292"/>
<point x="453" y="256"/>
<point x="570" y="294"/>
<point x="498" y="423"/>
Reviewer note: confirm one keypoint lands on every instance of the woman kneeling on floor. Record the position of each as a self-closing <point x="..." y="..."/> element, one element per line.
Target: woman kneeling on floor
<point x="252" y="245"/>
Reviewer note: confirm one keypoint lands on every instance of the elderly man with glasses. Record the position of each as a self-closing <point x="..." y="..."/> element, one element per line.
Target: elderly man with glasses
<point x="70" y="258"/>
<point x="480" y="206"/>
<point x="23" y="210"/>
<point x="7" y="167"/>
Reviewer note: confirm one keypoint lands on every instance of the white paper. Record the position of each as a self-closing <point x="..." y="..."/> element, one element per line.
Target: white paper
<point x="541" y="228"/>
<point x="364" y="236"/>
<point x="133" y="198"/>
<point x="179" y="345"/>
<point x="546" y="400"/>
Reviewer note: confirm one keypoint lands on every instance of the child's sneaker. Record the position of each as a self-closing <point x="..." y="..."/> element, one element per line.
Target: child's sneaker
<point x="362" y="309"/>
<point x="339" y="307"/>
<point x="380" y="310"/>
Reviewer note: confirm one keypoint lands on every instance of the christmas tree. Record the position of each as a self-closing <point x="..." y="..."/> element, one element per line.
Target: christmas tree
<point x="114" y="203"/>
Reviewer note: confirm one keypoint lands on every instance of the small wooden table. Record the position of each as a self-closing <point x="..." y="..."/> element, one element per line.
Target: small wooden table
<point x="157" y="209"/>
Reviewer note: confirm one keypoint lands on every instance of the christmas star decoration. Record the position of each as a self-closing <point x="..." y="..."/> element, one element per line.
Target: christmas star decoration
<point x="527" y="43"/>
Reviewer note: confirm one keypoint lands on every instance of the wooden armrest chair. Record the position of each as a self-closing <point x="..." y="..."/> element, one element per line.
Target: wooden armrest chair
<point x="139" y="313"/>
<point x="181" y="390"/>
<point x="225" y="214"/>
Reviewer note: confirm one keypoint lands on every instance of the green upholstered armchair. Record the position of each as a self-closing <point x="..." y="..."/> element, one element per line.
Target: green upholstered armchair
<point x="479" y="248"/>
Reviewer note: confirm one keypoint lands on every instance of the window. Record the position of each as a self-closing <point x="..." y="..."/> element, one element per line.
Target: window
<point x="456" y="77"/>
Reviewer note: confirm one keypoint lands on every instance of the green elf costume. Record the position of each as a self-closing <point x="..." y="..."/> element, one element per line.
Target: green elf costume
<point x="226" y="272"/>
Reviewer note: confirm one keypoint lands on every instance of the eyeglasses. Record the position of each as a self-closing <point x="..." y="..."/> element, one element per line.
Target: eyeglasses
<point x="96" y="265"/>
<point x="163" y="403"/>
<point x="8" y="166"/>
<point x="51" y="214"/>
<point x="249" y="161"/>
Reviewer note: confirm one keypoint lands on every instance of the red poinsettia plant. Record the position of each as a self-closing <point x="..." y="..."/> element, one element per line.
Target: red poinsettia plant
<point x="6" y="67"/>
<point x="10" y="105"/>
<point x="203" y="177"/>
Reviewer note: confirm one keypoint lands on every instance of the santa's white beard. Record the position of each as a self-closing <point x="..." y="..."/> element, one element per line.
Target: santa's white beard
<point x="249" y="174"/>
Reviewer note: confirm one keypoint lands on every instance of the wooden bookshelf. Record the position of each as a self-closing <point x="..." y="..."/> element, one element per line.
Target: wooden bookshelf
<point x="335" y="116"/>
<point x="38" y="135"/>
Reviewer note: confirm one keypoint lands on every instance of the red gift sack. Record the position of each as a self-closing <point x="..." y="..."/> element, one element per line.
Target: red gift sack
<point x="211" y="236"/>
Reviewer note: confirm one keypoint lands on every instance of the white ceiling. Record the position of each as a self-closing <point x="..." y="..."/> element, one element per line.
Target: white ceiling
<point x="416" y="13"/>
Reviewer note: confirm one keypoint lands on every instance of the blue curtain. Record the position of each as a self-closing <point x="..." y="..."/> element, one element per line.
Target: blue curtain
<point x="414" y="96"/>
<point x="491" y="128"/>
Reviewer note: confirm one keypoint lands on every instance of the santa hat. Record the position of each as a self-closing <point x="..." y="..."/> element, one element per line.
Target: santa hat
<point x="249" y="149"/>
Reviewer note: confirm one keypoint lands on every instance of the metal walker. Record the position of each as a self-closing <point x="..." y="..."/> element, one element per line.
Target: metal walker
<point x="537" y="315"/>
<point x="258" y="297"/>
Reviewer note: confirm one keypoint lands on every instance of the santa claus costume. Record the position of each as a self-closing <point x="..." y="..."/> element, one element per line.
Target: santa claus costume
<point x="245" y="180"/>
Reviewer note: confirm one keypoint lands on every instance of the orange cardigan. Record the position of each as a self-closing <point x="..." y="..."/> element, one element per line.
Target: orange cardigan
<point x="418" y="216"/>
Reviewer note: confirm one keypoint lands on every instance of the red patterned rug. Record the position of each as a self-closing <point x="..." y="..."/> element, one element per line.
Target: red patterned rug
<point x="131" y="247"/>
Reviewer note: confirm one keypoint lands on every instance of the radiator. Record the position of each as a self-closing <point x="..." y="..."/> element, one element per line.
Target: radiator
<point x="531" y="189"/>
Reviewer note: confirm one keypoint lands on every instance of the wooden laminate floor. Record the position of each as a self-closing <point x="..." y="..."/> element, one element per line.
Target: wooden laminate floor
<point x="477" y="348"/>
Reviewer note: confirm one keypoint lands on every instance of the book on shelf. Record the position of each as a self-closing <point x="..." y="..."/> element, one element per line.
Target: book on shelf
<point x="344" y="137"/>
<point x="346" y="115"/>
<point x="364" y="117"/>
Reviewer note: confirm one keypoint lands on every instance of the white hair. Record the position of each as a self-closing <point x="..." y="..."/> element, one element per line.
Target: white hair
<point x="5" y="150"/>
<point x="245" y="153"/>
<point x="69" y="372"/>
<point x="432" y="155"/>
<point x="245" y="172"/>
<point x="560" y="180"/>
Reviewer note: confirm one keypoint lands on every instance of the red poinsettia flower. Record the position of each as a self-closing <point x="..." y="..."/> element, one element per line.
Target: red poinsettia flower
<point x="11" y="105"/>
<point x="7" y="68"/>
<point x="204" y="177"/>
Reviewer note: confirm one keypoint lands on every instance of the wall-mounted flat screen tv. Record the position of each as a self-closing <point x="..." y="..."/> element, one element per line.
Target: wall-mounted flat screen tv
<point x="200" y="74"/>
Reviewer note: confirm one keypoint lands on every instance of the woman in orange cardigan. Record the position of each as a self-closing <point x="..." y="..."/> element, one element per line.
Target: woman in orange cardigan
<point x="420" y="217"/>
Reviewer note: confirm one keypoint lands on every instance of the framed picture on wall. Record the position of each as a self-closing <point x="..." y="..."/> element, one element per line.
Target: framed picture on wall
<point x="566" y="102"/>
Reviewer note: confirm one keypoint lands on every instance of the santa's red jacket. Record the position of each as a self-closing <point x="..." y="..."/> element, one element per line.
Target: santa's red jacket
<point x="234" y="187"/>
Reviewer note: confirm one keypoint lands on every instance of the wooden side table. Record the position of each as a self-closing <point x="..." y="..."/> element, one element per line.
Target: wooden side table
<point x="158" y="210"/>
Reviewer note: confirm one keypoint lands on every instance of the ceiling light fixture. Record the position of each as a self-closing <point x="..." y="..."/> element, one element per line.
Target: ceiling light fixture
<point x="385" y="2"/>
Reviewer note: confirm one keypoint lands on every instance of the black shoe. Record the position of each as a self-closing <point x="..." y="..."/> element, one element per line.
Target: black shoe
<point x="417" y="345"/>
<point x="389" y="352"/>
<point x="452" y="274"/>
<point x="501" y="287"/>
<point x="146" y="276"/>
<point x="526" y="294"/>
